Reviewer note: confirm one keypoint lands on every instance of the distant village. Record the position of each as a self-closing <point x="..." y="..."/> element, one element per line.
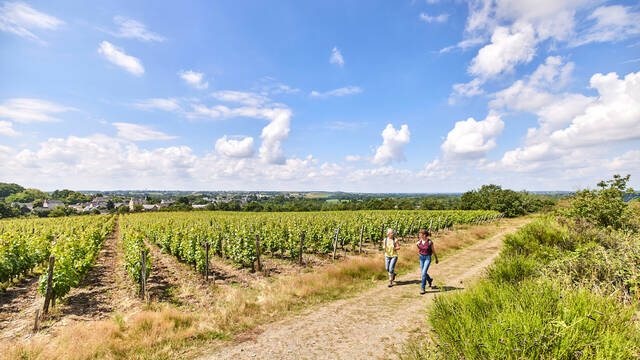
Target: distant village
<point x="111" y="204"/>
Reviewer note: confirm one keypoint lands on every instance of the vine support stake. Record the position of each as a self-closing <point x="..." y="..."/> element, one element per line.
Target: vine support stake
<point x="361" y="235"/>
<point x="258" y="252"/>
<point x="36" y="321"/>
<point x="47" y="297"/>
<point x="335" y="243"/>
<point x="301" y="247"/>
<point x="143" y="273"/>
<point x="206" y="266"/>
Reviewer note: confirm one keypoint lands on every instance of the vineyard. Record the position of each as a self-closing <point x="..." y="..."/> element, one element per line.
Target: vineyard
<point x="73" y="242"/>
<point x="241" y="237"/>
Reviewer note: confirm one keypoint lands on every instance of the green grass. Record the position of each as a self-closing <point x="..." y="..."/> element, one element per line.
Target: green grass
<point x="559" y="290"/>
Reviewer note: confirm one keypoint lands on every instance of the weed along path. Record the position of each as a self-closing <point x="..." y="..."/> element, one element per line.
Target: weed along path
<point x="372" y="324"/>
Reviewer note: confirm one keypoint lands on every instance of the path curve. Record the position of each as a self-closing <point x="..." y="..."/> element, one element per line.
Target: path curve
<point x="369" y="325"/>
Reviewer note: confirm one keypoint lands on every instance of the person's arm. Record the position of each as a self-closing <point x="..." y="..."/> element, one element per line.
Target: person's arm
<point x="397" y="245"/>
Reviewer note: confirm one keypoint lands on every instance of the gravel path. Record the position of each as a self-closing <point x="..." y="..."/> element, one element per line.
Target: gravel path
<point x="370" y="325"/>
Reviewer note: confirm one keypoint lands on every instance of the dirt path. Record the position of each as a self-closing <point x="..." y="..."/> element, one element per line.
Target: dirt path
<point x="370" y="325"/>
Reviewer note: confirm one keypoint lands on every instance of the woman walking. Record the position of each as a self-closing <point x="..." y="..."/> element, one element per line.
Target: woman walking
<point x="425" y="249"/>
<point x="391" y="247"/>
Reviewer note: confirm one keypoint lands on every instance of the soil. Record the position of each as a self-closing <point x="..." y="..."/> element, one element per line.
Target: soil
<point x="373" y="324"/>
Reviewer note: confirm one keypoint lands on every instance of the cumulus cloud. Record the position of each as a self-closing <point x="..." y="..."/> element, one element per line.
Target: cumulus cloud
<point x="392" y="142"/>
<point x="194" y="79"/>
<point x="430" y="19"/>
<point x="471" y="139"/>
<point x="343" y="91"/>
<point x="24" y="110"/>
<point x="137" y="132"/>
<point x="242" y="97"/>
<point x="235" y="147"/>
<point x="132" y="29"/>
<point x="614" y="116"/>
<point x="118" y="57"/>
<point x="21" y="19"/>
<point x="165" y="104"/>
<point x="6" y="128"/>
<point x="508" y="47"/>
<point x="336" y="57"/>
<point x="577" y="131"/>
<point x="273" y="134"/>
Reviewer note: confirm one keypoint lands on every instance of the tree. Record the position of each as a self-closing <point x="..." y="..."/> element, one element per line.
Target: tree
<point x="110" y="205"/>
<point x="8" y="189"/>
<point x="604" y="206"/>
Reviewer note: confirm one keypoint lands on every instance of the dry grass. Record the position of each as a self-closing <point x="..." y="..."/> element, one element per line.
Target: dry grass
<point x="164" y="331"/>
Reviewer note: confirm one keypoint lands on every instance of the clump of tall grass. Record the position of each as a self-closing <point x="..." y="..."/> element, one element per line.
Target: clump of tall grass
<point x="564" y="287"/>
<point x="532" y="320"/>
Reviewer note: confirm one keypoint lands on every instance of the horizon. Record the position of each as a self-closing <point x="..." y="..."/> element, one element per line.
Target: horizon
<point x="364" y="97"/>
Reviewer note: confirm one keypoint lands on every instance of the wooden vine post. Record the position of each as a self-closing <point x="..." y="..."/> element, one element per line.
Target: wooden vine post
<point x="206" y="265"/>
<point x="36" y="323"/>
<point x="361" y="235"/>
<point x="258" y="252"/>
<point x="411" y="229"/>
<point x="47" y="297"/>
<point x="301" y="247"/>
<point x="430" y="223"/>
<point x="383" y="236"/>
<point x="335" y="243"/>
<point x="419" y="224"/>
<point x="143" y="273"/>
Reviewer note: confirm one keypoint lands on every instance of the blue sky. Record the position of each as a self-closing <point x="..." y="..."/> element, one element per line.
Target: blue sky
<point x="375" y="96"/>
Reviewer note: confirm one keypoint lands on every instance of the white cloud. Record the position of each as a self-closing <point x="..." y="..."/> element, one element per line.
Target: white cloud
<point x="235" y="147"/>
<point x="472" y="139"/>
<point x="430" y="19"/>
<point x="392" y="143"/>
<point x="628" y="162"/>
<point x="343" y="91"/>
<point x="577" y="132"/>
<point x="158" y="104"/>
<point x="24" y="110"/>
<point x="508" y="48"/>
<point x="336" y="57"/>
<point x="463" y="44"/>
<point x="21" y="19"/>
<point x="118" y="57"/>
<point x="612" y="23"/>
<point x="273" y="134"/>
<point x="137" y="132"/>
<point x="194" y="79"/>
<point x="132" y="29"/>
<point x="469" y="89"/>
<point x="353" y="158"/>
<point x="614" y="116"/>
<point x="241" y="97"/>
<point x="7" y="129"/>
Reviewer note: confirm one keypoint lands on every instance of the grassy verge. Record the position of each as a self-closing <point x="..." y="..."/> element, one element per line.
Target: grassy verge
<point x="164" y="331"/>
<point x="561" y="289"/>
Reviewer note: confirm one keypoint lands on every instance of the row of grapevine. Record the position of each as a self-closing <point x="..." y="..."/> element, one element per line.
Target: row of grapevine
<point x="26" y="243"/>
<point x="133" y="244"/>
<point x="232" y="235"/>
<point x="75" y="253"/>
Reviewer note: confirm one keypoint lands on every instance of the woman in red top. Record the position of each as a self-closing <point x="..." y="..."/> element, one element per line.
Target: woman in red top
<point x="425" y="249"/>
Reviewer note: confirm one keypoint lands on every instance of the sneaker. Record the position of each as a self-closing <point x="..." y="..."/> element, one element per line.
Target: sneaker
<point x="390" y="284"/>
<point x="430" y="283"/>
<point x="422" y="292"/>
